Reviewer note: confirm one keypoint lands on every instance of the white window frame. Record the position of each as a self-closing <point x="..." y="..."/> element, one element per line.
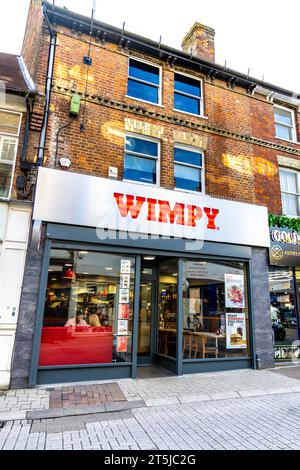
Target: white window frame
<point x="293" y="126"/>
<point x="149" y="139"/>
<point x="190" y="148"/>
<point x="201" y="98"/>
<point x="13" y="137"/>
<point x="159" y="86"/>
<point x="289" y="170"/>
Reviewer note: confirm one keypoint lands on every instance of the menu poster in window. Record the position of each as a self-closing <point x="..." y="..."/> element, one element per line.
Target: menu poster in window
<point x="122" y="327"/>
<point x="123" y="312"/>
<point x="234" y="291"/>
<point x="125" y="281"/>
<point x="122" y="344"/>
<point x="236" y="331"/>
<point x="125" y="266"/>
<point x="195" y="303"/>
<point x="124" y="296"/>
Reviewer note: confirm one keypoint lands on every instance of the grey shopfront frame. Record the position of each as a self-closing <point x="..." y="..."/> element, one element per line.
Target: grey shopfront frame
<point x="71" y="237"/>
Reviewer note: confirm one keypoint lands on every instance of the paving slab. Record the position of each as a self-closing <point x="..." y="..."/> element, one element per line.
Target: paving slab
<point x="293" y="372"/>
<point x="194" y="398"/>
<point x="162" y="401"/>
<point x="252" y="393"/>
<point x="12" y="416"/>
<point x="83" y="411"/>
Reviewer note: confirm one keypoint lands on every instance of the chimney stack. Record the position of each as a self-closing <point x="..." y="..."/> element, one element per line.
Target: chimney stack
<point x="200" y="40"/>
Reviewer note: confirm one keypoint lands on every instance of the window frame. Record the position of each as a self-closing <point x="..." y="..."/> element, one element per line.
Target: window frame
<point x="14" y="137"/>
<point x="190" y="148"/>
<point x="159" y="86"/>
<point x="201" y="99"/>
<point x="142" y="155"/>
<point x="297" y="173"/>
<point x="292" y="127"/>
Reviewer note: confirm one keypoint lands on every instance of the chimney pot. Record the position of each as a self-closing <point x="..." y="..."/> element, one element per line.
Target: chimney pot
<point x="200" y="40"/>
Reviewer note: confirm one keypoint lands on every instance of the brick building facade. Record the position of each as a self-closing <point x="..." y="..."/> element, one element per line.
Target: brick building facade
<point x="16" y="95"/>
<point x="234" y="130"/>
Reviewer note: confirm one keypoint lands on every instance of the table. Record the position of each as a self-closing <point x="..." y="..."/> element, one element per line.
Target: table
<point x="188" y="338"/>
<point x="202" y="335"/>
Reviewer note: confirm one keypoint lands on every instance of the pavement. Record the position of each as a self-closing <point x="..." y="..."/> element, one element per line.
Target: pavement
<point x="243" y="409"/>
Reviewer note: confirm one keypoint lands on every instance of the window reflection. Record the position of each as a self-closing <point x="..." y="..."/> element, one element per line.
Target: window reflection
<point x="215" y="311"/>
<point x="88" y="309"/>
<point x="167" y="332"/>
<point x="283" y="307"/>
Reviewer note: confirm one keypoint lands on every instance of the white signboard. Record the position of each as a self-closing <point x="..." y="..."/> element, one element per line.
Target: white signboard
<point x="236" y="331"/>
<point x="124" y="296"/>
<point x="125" y="281"/>
<point x="212" y="271"/>
<point x="125" y="266"/>
<point x="88" y="201"/>
<point x="234" y="291"/>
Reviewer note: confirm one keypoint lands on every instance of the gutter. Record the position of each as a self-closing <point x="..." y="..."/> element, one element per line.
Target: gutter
<point x="104" y="32"/>
<point x="49" y="79"/>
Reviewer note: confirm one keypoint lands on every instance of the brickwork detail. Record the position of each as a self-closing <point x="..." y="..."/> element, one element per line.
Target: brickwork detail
<point x="288" y="162"/>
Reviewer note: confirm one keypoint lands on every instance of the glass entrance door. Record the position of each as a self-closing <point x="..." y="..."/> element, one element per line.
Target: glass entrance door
<point x="167" y="300"/>
<point x="147" y="315"/>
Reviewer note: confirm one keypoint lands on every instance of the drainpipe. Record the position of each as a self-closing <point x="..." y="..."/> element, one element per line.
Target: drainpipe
<point x="26" y="134"/>
<point x="49" y="79"/>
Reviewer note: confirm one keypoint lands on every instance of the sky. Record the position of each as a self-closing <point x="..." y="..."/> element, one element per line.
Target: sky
<point x="262" y="35"/>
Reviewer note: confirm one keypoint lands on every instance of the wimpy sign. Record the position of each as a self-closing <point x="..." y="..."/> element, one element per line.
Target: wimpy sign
<point x="88" y="201"/>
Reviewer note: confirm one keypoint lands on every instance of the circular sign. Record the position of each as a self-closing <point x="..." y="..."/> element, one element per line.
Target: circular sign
<point x="277" y="252"/>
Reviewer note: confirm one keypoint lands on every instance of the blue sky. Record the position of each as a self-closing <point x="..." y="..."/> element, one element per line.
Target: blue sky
<point x="262" y="35"/>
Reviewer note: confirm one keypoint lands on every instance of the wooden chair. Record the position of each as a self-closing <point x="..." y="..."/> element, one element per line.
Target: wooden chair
<point x="208" y="349"/>
<point x="187" y="343"/>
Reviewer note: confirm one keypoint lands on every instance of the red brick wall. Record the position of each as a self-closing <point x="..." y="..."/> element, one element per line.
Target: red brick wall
<point x="32" y="37"/>
<point x="235" y="168"/>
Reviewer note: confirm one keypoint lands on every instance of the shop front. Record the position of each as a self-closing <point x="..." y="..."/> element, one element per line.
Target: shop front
<point x="132" y="278"/>
<point x="284" y="281"/>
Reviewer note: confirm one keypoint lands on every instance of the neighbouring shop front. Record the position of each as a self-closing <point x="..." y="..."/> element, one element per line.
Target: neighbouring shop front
<point x="284" y="281"/>
<point x="134" y="276"/>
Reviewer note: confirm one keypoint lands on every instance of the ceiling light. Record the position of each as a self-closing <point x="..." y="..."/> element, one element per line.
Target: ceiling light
<point x="149" y="258"/>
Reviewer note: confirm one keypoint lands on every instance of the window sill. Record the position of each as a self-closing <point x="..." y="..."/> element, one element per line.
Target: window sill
<point x="189" y="191"/>
<point x="287" y="140"/>
<point x="190" y="114"/>
<point x="144" y="101"/>
<point x="150" y="185"/>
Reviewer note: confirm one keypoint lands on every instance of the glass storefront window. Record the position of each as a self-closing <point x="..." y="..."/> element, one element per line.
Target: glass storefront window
<point x="88" y="315"/>
<point x="283" y="310"/>
<point x="167" y="309"/>
<point x="215" y="311"/>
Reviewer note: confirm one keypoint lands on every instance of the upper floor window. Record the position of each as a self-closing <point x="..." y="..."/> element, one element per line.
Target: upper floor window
<point x="285" y="123"/>
<point x="290" y="192"/>
<point x="144" y="81"/>
<point x="187" y="94"/>
<point x="9" y="131"/>
<point x="141" y="162"/>
<point x="188" y="169"/>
